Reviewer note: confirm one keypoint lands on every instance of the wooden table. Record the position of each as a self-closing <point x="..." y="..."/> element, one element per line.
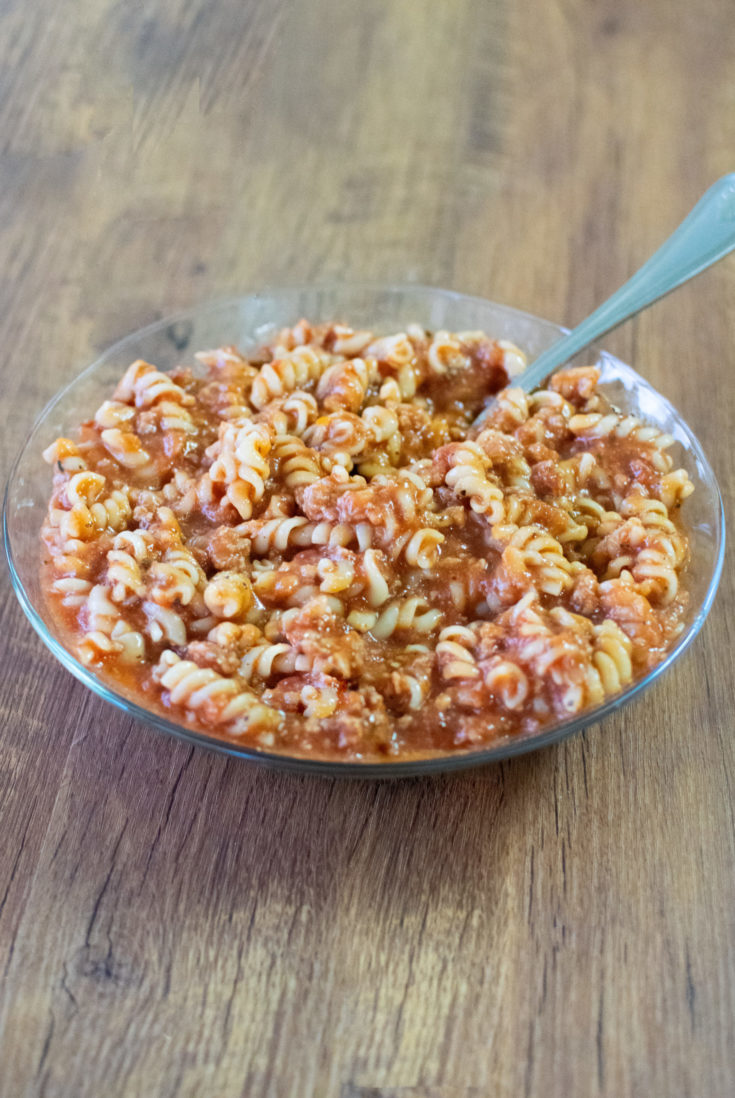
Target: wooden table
<point x="175" y="924"/>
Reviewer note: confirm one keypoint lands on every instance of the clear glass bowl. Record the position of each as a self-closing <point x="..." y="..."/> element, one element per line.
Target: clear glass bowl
<point x="245" y="321"/>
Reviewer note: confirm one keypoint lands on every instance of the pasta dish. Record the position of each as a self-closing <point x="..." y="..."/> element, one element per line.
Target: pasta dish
<point x="310" y="547"/>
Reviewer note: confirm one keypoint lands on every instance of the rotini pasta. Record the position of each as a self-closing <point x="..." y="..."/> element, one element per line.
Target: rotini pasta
<point x="212" y="697"/>
<point x="310" y="547"/>
<point x="300" y="465"/>
<point x="467" y="476"/>
<point x="240" y="463"/>
<point x="345" y="384"/>
<point x="143" y="385"/>
<point x="292" y="371"/>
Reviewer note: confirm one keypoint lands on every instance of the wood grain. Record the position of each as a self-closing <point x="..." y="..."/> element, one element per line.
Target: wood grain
<point x="175" y="924"/>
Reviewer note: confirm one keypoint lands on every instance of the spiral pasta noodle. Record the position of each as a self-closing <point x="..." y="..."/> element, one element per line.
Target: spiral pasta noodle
<point x="204" y="692"/>
<point x="290" y="372"/>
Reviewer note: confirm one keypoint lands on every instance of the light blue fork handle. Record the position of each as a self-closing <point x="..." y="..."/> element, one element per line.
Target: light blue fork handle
<point x="705" y="236"/>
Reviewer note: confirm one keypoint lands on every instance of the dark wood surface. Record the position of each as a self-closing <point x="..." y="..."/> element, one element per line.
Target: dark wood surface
<point x="174" y="924"/>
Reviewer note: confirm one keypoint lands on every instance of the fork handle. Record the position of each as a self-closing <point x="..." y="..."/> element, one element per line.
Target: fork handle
<point x="704" y="236"/>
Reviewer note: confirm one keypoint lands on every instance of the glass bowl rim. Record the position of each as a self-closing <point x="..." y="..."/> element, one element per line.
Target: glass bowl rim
<point x="413" y="766"/>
